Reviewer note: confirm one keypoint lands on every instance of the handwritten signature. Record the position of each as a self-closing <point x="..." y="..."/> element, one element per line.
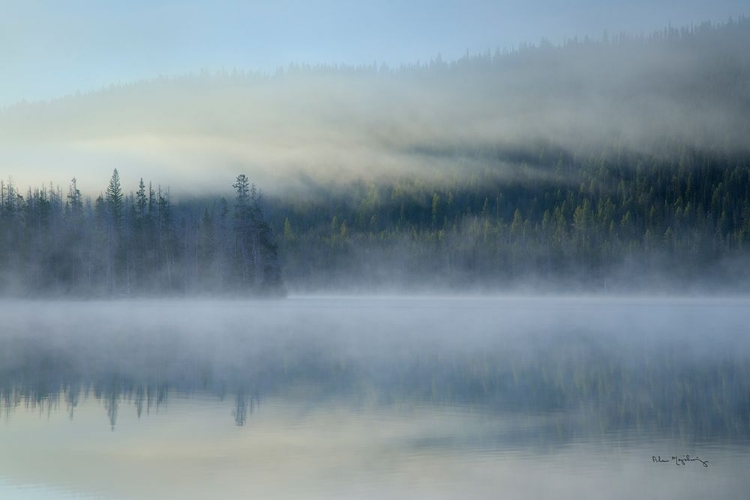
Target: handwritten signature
<point x="678" y="461"/>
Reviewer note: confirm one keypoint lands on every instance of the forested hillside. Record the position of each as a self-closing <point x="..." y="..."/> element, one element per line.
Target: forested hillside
<point x="134" y="244"/>
<point x="619" y="163"/>
<point x="616" y="220"/>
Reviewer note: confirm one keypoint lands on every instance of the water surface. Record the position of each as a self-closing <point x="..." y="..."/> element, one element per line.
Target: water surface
<point x="340" y="397"/>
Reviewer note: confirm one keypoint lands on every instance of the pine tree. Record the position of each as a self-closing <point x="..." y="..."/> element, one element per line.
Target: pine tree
<point x="114" y="198"/>
<point x="243" y="254"/>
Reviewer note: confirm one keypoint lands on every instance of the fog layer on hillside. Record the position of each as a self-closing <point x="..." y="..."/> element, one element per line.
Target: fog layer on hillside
<point x="334" y="123"/>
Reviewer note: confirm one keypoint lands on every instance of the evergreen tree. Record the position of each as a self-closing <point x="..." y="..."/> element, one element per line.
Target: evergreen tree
<point x="114" y="198"/>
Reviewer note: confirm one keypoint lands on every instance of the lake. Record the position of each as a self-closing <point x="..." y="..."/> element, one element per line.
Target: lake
<point x="376" y="397"/>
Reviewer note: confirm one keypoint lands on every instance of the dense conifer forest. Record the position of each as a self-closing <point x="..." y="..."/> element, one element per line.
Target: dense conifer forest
<point x="677" y="221"/>
<point x="134" y="244"/>
<point x="608" y="221"/>
<point x="646" y="188"/>
<point x="620" y="163"/>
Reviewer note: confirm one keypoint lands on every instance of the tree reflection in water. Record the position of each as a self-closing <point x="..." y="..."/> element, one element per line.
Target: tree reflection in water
<point x="612" y="386"/>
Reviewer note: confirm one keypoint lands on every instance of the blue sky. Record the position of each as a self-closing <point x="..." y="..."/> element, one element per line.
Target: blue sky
<point x="51" y="48"/>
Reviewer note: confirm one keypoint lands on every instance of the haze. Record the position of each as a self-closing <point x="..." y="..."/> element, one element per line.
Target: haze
<point x="189" y="94"/>
<point x="521" y="230"/>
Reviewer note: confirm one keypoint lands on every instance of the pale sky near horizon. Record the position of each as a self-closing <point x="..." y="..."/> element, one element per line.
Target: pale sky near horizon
<point x="50" y="48"/>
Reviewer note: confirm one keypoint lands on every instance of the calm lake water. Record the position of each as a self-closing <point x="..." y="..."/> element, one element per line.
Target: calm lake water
<point x="388" y="397"/>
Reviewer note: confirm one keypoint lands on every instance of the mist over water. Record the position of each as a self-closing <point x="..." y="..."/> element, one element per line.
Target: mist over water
<point x="611" y="165"/>
<point x="616" y="164"/>
<point x="395" y="347"/>
<point x="387" y="389"/>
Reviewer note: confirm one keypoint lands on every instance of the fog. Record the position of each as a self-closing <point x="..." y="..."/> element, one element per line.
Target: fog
<point x="500" y="180"/>
<point x="333" y="124"/>
<point x="619" y="359"/>
<point x="387" y="396"/>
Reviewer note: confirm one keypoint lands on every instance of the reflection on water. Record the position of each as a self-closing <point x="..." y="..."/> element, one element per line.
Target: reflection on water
<point x="380" y="398"/>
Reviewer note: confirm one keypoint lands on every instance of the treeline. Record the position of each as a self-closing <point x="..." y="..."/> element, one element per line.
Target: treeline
<point x="601" y="163"/>
<point x="134" y="244"/>
<point x="611" y="220"/>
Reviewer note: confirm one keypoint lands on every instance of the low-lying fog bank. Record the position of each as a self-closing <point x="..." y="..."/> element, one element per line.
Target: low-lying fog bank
<point x="655" y="361"/>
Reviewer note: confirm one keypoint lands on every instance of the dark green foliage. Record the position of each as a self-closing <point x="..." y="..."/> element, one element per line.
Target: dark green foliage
<point x="601" y="221"/>
<point x="621" y="162"/>
<point x="255" y="254"/>
<point x="133" y="244"/>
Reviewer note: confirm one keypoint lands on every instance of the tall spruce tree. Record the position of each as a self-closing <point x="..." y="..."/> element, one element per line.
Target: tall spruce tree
<point x="115" y="202"/>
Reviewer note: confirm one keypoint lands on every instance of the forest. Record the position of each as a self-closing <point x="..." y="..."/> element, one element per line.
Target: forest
<point x="628" y="222"/>
<point x="616" y="164"/>
<point x="674" y="222"/>
<point x="134" y="244"/>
